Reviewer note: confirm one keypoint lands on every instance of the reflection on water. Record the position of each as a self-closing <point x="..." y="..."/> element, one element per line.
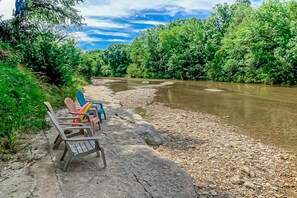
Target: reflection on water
<point x="263" y="112"/>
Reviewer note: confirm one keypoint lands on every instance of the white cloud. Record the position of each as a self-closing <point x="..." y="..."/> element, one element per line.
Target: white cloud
<point x="83" y="37"/>
<point x="126" y="8"/>
<point x="117" y="40"/>
<point x="146" y="22"/>
<point x="105" y="24"/>
<point x="120" y="34"/>
<point x="6" y="8"/>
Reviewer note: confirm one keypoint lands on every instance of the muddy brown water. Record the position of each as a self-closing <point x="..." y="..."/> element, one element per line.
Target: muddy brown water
<point x="264" y="112"/>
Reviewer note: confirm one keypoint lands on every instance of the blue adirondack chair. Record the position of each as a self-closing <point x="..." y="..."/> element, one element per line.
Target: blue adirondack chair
<point x="98" y="105"/>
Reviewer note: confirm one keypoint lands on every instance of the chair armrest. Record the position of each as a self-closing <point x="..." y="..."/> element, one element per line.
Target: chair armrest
<point x="77" y="113"/>
<point x="98" y="103"/>
<point x="67" y="118"/>
<point x="70" y="124"/>
<point x="77" y="127"/>
<point x="81" y="139"/>
<point x="94" y="111"/>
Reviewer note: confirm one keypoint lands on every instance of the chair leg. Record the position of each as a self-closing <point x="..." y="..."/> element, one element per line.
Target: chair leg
<point x="69" y="159"/>
<point x="64" y="153"/>
<point x="57" y="143"/>
<point x="103" y="156"/>
<point x="56" y="138"/>
<point x="93" y="128"/>
<point x="104" y="115"/>
<point x="99" y="116"/>
<point x="99" y="125"/>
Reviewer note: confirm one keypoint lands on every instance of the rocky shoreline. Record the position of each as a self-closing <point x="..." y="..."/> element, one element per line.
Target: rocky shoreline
<point x="221" y="161"/>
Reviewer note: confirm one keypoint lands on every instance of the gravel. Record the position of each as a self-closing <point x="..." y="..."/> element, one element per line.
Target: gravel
<point x="221" y="161"/>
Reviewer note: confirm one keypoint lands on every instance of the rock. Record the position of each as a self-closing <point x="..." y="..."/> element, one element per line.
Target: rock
<point x="245" y="170"/>
<point x="137" y="117"/>
<point x="236" y="180"/>
<point x="211" y="155"/>
<point x="149" y="134"/>
<point x="17" y="165"/>
<point x="152" y="140"/>
<point x="145" y="82"/>
<point x="213" y="193"/>
<point x="130" y="111"/>
<point x="252" y="174"/>
<point x="19" y="185"/>
<point x="249" y="185"/>
<point x="274" y="188"/>
<point x="205" y="193"/>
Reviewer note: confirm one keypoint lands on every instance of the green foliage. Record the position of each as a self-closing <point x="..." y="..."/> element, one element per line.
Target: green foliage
<point x="261" y="48"/>
<point x="145" y="54"/>
<point x="92" y="64"/>
<point x="236" y="43"/>
<point x="182" y="50"/>
<point x="7" y="54"/>
<point x="133" y="71"/>
<point x="38" y="63"/>
<point x="117" y="57"/>
<point x="56" y="12"/>
<point x="51" y="60"/>
<point x="21" y="99"/>
<point x="106" y="70"/>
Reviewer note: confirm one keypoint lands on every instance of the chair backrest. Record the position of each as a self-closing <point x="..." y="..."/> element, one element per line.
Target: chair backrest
<point x="58" y="127"/>
<point x="50" y="109"/>
<point x="85" y="109"/>
<point x="80" y="98"/>
<point x="70" y="104"/>
<point x="71" y="107"/>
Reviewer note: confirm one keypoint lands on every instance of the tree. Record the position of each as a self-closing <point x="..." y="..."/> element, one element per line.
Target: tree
<point x="117" y="57"/>
<point x="258" y="50"/>
<point x="182" y="50"/>
<point x="223" y="18"/>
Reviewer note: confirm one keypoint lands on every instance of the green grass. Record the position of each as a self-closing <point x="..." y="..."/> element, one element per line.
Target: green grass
<point x="21" y="102"/>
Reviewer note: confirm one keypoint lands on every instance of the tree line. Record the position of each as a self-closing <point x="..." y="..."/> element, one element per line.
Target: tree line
<point x="236" y="43"/>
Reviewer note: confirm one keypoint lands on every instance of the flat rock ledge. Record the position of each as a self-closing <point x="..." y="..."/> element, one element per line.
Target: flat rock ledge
<point x="134" y="169"/>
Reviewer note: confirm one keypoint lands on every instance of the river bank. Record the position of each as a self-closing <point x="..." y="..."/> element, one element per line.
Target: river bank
<point x="215" y="154"/>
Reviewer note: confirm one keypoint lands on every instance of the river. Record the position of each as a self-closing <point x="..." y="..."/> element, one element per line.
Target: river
<point x="264" y="112"/>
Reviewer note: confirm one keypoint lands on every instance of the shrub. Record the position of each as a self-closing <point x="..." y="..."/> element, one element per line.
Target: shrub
<point x="133" y="71"/>
<point x="106" y="70"/>
<point x="21" y="103"/>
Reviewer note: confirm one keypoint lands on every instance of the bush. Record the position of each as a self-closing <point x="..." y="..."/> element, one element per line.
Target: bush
<point x="7" y="54"/>
<point x="21" y="104"/>
<point x="133" y="71"/>
<point x="106" y="70"/>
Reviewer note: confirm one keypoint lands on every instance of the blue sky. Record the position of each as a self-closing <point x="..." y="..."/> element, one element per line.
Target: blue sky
<point x="119" y="21"/>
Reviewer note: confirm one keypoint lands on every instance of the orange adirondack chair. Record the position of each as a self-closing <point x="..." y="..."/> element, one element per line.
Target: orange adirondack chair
<point x="84" y="118"/>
